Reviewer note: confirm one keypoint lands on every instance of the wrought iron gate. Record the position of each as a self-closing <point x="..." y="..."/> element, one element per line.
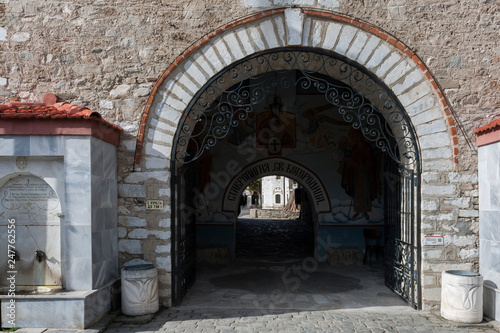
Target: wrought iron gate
<point x="401" y="253"/>
<point x="362" y="100"/>
<point x="183" y="233"/>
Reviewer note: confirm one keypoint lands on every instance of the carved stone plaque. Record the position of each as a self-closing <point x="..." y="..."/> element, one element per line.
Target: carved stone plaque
<point x="29" y="199"/>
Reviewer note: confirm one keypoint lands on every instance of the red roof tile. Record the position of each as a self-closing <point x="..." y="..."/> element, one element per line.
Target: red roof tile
<point x="61" y="110"/>
<point x="495" y="124"/>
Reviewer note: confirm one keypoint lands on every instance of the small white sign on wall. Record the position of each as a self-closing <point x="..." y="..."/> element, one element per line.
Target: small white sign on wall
<point x="154" y="204"/>
<point x="434" y="240"/>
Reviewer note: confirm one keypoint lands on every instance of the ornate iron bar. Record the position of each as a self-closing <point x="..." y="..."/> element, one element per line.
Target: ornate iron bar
<point x="400" y="250"/>
<point x="233" y="94"/>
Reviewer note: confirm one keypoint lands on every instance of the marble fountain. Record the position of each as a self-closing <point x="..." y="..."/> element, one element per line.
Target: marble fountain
<point x="58" y="222"/>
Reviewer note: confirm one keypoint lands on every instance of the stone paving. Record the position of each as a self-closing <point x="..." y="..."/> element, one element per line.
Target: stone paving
<point x="359" y="321"/>
<point x="251" y="295"/>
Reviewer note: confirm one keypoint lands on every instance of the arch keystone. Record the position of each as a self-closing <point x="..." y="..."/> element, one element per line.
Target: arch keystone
<point x="294" y="22"/>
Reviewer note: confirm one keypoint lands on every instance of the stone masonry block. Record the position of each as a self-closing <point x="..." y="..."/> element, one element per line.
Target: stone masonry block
<point x="414" y="94"/>
<point x="437" y="165"/>
<point x="461" y="241"/>
<point x="155" y="162"/>
<point x="446" y="217"/>
<point x="170" y="100"/>
<point x="189" y="84"/>
<point x="427" y="116"/>
<point x="242" y="35"/>
<point x="439" y="190"/>
<point x="294" y="20"/>
<point x="223" y="52"/>
<point x="329" y="3"/>
<point x="387" y="64"/>
<point x="306" y="35"/>
<point x="409" y="80"/>
<point x="160" y="137"/>
<point x="432" y="127"/>
<point x="131" y="191"/>
<point x="203" y="65"/>
<point x="468" y="213"/>
<point x="140" y="177"/>
<point x="370" y="46"/>
<point x="429" y="280"/>
<point x="279" y="24"/>
<point x="432" y="294"/>
<point x="435" y="140"/>
<point x="462" y="177"/>
<point x="331" y="35"/>
<point x="429" y="205"/>
<point x="157" y="150"/>
<point x="430" y="177"/>
<point x="130" y="246"/>
<point x="427" y="227"/>
<point x="270" y="34"/>
<point x="357" y="45"/>
<point x="458" y="203"/>
<point x="183" y="88"/>
<point x="423" y="104"/>
<point x="469" y="254"/>
<point x="3" y="34"/>
<point x="131" y="221"/>
<point x="399" y="72"/>
<point x="316" y="34"/>
<point x="212" y="57"/>
<point x="438" y="267"/>
<point x="122" y="232"/>
<point x="163" y="248"/>
<point x="234" y="46"/>
<point x="169" y="113"/>
<point x="434" y="254"/>
<point x="162" y="125"/>
<point x="378" y="56"/>
<point x="346" y="36"/>
<point x="164" y="263"/>
<point x="255" y="36"/>
<point x="138" y="233"/>
<point x="437" y="153"/>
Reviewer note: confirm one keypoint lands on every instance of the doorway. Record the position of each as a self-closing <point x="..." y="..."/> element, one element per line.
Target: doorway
<point x="323" y="111"/>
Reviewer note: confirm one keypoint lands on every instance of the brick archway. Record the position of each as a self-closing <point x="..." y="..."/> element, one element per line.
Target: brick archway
<point x="389" y="59"/>
<point x="392" y="62"/>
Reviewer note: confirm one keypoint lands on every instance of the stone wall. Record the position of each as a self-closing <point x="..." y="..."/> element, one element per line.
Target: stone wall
<point x="108" y="55"/>
<point x="273" y="214"/>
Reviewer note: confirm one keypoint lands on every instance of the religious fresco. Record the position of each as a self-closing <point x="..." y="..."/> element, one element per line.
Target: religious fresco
<point x="305" y="128"/>
<point x="280" y="126"/>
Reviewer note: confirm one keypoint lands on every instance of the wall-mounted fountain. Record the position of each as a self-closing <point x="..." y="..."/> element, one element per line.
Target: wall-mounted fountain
<point x="58" y="184"/>
<point x="36" y="210"/>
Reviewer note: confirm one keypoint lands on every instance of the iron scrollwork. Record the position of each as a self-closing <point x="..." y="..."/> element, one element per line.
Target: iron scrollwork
<point x="234" y="94"/>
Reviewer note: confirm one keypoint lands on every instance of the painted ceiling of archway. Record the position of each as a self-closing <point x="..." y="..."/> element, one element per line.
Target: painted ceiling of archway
<point x="299" y="124"/>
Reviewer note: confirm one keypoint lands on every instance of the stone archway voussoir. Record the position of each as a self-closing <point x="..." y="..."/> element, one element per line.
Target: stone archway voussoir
<point x="391" y="61"/>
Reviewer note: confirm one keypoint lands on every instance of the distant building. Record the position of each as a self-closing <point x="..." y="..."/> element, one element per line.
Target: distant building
<point x="277" y="191"/>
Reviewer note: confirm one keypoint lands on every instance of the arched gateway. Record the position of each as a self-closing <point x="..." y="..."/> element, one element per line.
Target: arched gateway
<point x="333" y="94"/>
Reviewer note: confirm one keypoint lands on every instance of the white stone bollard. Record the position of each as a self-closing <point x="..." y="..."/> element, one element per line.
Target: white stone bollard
<point x="139" y="290"/>
<point x="462" y="296"/>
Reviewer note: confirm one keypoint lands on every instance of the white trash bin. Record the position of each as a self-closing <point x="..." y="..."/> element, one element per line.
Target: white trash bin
<point x="462" y="296"/>
<point x="139" y="290"/>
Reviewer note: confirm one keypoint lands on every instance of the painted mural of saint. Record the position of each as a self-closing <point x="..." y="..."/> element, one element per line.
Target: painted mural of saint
<point x="359" y="173"/>
<point x="280" y="126"/>
<point x="319" y="125"/>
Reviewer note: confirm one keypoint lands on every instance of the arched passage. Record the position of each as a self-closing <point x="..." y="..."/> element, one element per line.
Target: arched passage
<point x="378" y="54"/>
<point x="282" y="167"/>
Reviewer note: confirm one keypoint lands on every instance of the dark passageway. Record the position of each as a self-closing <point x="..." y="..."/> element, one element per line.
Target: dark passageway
<point x="273" y="240"/>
